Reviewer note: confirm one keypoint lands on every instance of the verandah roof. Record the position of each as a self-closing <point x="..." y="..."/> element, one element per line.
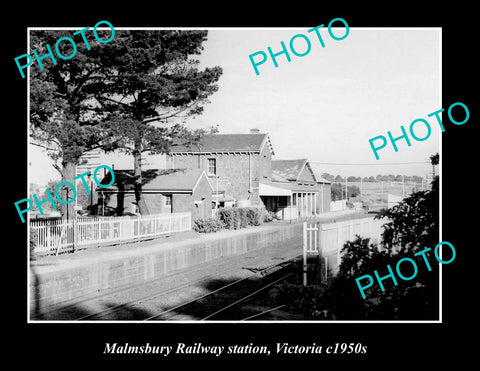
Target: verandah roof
<point x="284" y="189"/>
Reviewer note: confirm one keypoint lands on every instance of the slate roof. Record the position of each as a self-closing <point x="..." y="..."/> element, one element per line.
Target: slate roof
<point x="172" y="180"/>
<point x="227" y="143"/>
<point x="289" y="170"/>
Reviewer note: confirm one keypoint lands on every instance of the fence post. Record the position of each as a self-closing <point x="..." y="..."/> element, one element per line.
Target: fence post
<point x="48" y="240"/>
<point x="304" y="253"/>
<point x="60" y="241"/>
<point x="339" y="244"/>
<point x="99" y="239"/>
<point x="319" y="249"/>
<point x="75" y="233"/>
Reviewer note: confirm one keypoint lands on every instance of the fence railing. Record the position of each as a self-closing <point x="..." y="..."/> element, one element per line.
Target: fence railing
<point x="327" y="239"/>
<point x="59" y="236"/>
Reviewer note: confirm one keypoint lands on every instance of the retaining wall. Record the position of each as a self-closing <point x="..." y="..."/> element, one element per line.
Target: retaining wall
<point x="58" y="284"/>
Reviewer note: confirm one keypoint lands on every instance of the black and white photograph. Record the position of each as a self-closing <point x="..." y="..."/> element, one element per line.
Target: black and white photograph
<point x="167" y="181"/>
<point x="250" y="192"/>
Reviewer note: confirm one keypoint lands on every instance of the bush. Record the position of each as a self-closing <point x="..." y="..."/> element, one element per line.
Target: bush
<point x="254" y="216"/>
<point x="240" y="217"/>
<point x="33" y="243"/>
<point x="208" y="225"/>
<point x="269" y="216"/>
<point x="306" y="300"/>
<point x="236" y="218"/>
<point x="226" y="215"/>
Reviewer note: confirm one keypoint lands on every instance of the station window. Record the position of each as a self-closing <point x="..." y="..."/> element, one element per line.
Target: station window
<point x="167" y="200"/>
<point x="212" y="166"/>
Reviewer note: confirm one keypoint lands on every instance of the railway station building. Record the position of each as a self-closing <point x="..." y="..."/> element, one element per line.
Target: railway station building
<point x="164" y="191"/>
<point x="242" y="172"/>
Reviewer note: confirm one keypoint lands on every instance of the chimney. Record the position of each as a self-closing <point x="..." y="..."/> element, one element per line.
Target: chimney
<point x="254" y="131"/>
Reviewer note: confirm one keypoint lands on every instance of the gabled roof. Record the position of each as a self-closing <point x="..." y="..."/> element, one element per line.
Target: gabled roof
<point x="287" y="170"/>
<point x="172" y="180"/>
<point x="290" y="170"/>
<point x="222" y="143"/>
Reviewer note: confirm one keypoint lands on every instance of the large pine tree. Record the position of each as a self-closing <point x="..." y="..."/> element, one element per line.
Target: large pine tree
<point x="60" y="118"/>
<point x="157" y="85"/>
<point x="118" y="96"/>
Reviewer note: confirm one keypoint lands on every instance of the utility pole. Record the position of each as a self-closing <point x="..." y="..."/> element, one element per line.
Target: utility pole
<point x="216" y="201"/>
<point x="346" y="188"/>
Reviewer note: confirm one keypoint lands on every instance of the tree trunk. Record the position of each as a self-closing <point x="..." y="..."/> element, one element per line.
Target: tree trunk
<point x="137" y="186"/>
<point x="120" y="196"/>
<point x="65" y="192"/>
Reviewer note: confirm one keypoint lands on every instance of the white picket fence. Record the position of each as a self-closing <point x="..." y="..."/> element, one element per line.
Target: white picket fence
<point x="59" y="236"/>
<point x="327" y="239"/>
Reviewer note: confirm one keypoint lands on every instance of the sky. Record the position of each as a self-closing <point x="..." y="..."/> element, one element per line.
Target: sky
<point x="324" y="106"/>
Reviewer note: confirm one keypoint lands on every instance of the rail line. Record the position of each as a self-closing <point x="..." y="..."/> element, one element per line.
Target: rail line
<point x="219" y="308"/>
<point x="69" y="304"/>
<point x="156" y="295"/>
<point x="262" y="273"/>
<point x="224" y="307"/>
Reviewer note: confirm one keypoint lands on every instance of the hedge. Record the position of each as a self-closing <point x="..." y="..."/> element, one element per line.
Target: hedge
<point x="230" y="218"/>
<point x="208" y="225"/>
<point x="227" y="216"/>
<point x="240" y="217"/>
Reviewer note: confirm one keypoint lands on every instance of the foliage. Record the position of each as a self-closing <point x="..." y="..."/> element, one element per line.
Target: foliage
<point x="242" y="213"/>
<point x="62" y="120"/>
<point x="157" y="79"/>
<point x="118" y="96"/>
<point x="254" y="216"/>
<point x="372" y="179"/>
<point x="414" y="299"/>
<point x="208" y="225"/>
<point x="411" y="226"/>
<point x="240" y="217"/>
<point x="33" y="243"/>
<point x="227" y="216"/>
<point x="237" y="218"/>
<point x="230" y="218"/>
<point x="308" y="300"/>
<point x="338" y="191"/>
<point x="269" y="216"/>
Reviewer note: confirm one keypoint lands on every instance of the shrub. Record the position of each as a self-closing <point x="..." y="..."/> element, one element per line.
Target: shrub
<point x="243" y="216"/>
<point x="208" y="225"/>
<point x="240" y="217"/>
<point x="226" y="215"/>
<point x="254" y="216"/>
<point x="33" y="243"/>
<point x="236" y="218"/>
<point x="306" y="300"/>
<point x="269" y="216"/>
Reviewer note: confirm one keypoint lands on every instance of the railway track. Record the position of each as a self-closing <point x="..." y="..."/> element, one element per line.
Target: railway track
<point x="224" y="302"/>
<point x="65" y="306"/>
<point x="218" y="303"/>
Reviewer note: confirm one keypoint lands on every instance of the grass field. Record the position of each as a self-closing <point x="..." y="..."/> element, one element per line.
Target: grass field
<point x="375" y="194"/>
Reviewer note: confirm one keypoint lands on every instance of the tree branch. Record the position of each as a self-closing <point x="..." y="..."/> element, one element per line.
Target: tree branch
<point x="43" y="146"/>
